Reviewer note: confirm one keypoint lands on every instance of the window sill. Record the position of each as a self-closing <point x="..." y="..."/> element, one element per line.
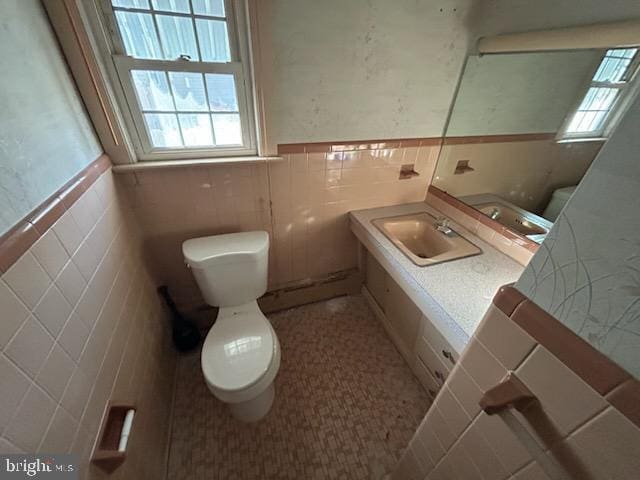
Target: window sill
<point x="162" y="164"/>
<point x="581" y="139"/>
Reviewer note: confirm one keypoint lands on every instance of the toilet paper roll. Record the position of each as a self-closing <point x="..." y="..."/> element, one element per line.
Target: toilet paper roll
<point x="126" y="429"/>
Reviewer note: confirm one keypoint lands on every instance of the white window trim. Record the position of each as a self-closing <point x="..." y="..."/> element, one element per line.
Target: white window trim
<point x="117" y="65"/>
<point x="628" y="91"/>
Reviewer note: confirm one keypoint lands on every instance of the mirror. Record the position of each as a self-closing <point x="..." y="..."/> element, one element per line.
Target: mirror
<point x="525" y="127"/>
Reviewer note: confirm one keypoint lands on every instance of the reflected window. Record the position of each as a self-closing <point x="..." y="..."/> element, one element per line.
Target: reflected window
<point x="242" y="345"/>
<point x="605" y="95"/>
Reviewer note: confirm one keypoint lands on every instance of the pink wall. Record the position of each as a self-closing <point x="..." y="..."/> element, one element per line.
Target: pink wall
<point x="82" y="326"/>
<point x="302" y="200"/>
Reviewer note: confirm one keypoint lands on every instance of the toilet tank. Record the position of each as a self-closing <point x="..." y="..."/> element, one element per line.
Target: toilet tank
<point x="559" y="198"/>
<point x="230" y="269"/>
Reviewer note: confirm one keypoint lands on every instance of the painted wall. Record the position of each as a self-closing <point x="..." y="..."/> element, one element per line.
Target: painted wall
<point x="45" y="136"/>
<point x="303" y="201"/>
<point x="360" y="70"/>
<point x="520" y="93"/>
<point x="525" y="173"/>
<point x="587" y="273"/>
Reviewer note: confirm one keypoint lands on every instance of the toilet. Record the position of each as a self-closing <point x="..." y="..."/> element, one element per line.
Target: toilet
<point x="241" y="354"/>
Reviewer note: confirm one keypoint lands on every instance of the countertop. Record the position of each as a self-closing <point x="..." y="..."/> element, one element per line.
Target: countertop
<point x="454" y="295"/>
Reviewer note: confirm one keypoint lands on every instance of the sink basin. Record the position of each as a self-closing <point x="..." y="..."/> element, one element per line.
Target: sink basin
<point x="416" y="236"/>
<point x="518" y="221"/>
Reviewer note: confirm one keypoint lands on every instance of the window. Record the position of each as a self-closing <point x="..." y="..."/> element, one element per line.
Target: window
<point x="605" y="95"/>
<point x="184" y="76"/>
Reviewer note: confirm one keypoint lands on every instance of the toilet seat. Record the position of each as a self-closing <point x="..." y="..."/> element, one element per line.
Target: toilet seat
<point x="241" y="354"/>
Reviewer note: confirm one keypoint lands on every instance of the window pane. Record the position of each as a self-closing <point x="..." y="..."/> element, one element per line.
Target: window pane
<point x="180" y="6"/>
<point x="611" y="69"/>
<point x="227" y="129"/>
<point x="188" y="91"/>
<point x="213" y="40"/>
<point x="222" y="92"/>
<point x="626" y="52"/>
<point x="196" y="129"/>
<point x="163" y="129"/>
<point x="138" y="35"/>
<point x="177" y="37"/>
<point x="130" y="3"/>
<point x="209" y="7"/>
<point x="152" y="89"/>
<point x="599" y="99"/>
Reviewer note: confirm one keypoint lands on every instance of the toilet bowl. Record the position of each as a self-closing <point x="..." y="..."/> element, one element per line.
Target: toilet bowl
<point x="241" y="354"/>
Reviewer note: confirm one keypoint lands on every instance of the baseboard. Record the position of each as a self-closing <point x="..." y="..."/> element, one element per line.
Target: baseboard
<point x="347" y="282"/>
<point x="337" y="284"/>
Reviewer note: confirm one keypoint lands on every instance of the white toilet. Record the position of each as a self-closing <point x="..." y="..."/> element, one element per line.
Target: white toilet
<point x="241" y="354"/>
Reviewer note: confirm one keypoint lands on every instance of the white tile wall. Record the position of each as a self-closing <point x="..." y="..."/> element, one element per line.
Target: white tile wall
<point x="82" y="325"/>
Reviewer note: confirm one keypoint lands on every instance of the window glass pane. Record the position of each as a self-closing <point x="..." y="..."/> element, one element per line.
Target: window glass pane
<point x="599" y="99"/>
<point x="222" y="92"/>
<point x="152" y="89"/>
<point x="163" y="129"/>
<point x="196" y="129"/>
<point x="177" y="37"/>
<point x="612" y="69"/>
<point x="180" y="6"/>
<point x="584" y="122"/>
<point x="213" y="40"/>
<point x="130" y="3"/>
<point x="627" y="53"/>
<point x="188" y="91"/>
<point x="209" y="7"/>
<point x="227" y="129"/>
<point x="138" y="35"/>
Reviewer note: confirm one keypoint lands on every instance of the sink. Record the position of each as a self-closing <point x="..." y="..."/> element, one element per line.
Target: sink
<point x="416" y="236"/>
<point x="511" y="216"/>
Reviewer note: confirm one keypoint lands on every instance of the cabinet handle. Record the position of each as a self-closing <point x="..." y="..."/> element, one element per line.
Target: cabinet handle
<point x="439" y="375"/>
<point x="448" y="355"/>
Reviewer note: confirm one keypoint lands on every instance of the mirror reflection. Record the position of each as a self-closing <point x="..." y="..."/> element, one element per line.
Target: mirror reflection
<point x="525" y="127"/>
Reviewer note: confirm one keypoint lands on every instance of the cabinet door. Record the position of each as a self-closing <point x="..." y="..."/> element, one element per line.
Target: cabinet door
<point x="402" y="314"/>
<point x="438" y="344"/>
<point x="375" y="281"/>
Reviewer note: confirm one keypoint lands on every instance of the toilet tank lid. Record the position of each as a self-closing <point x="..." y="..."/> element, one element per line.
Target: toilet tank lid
<point x="201" y="250"/>
<point x="564" y="193"/>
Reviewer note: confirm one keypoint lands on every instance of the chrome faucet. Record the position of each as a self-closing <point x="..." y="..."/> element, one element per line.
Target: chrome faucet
<point x="495" y="214"/>
<point x="442" y="225"/>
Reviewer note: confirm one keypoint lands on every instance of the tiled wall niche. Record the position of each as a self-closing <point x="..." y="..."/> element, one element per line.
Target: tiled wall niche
<point x="585" y="426"/>
<point x="302" y="200"/>
<point x="81" y="326"/>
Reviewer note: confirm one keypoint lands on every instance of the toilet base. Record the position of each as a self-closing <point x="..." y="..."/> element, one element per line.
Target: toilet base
<point x="254" y="409"/>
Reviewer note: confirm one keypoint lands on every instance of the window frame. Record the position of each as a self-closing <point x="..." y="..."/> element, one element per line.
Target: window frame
<point x="239" y="66"/>
<point x="627" y="90"/>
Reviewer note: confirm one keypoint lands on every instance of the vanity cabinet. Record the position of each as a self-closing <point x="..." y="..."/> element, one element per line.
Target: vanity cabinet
<point x="398" y="313"/>
<point x="429" y="355"/>
<point x="376" y="281"/>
